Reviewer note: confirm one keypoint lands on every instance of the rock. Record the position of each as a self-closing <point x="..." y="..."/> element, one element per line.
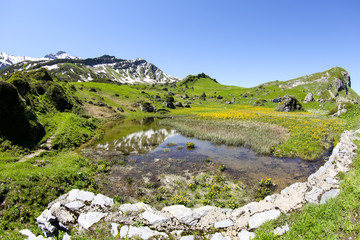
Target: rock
<point x="276" y="100"/>
<point x="86" y="220"/>
<point x="185" y="96"/>
<point x="178" y="104"/>
<point x="64" y="216"/>
<point x="85" y="196"/>
<point x="169" y="105"/>
<point x="321" y="100"/>
<point x="157" y="98"/>
<point x="146" y="107"/>
<point x="120" y="109"/>
<point x="187" y="105"/>
<point x="141" y="232"/>
<point x="102" y="201"/>
<point x="259" y="218"/>
<point x="313" y="195"/>
<point x="47" y="222"/>
<point x="137" y="207"/>
<point x="281" y="230"/>
<point x="339" y="85"/>
<point x="202" y="211"/>
<point x="189" y="237"/>
<point x="66" y="237"/>
<point x="219" y="236"/>
<point x="224" y="224"/>
<point x="245" y="235"/>
<point x="309" y="98"/>
<point x="219" y="97"/>
<point x="183" y="214"/>
<point x="328" y="195"/>
<point x="252" y="207"/>
<point x="289" y="104"/>
<point x="72" y="195"/>
<point x="153" y="218"/>
<point x="114" y="229"/>
<point x="75" y="206"/>
<point x="28" y="233"/>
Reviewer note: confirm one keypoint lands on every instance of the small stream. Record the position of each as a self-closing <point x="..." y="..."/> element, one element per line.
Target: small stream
<point x="151" y="150"/>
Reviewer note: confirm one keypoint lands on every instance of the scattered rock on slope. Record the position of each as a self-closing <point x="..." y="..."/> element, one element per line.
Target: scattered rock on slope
<point x="309" y="98"/>
<point x="289" y="104"/>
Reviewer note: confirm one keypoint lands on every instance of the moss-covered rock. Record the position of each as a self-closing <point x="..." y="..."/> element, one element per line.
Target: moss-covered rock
<point x="58" y="96"/>
<point x="18" y="123"/>
<point x="289" y="104"/>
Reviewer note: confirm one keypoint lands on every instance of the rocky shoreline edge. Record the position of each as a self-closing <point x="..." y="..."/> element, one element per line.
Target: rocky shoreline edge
<point x="82" y="210"/>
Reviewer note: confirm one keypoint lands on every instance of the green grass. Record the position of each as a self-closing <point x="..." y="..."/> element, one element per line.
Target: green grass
<point x="260" y="137"/>
<point x="337" y="219"/>
<point x="26" y="188"/>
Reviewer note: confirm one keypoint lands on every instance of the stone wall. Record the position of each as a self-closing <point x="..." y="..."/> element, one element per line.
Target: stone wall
<point x="82" y="210"/>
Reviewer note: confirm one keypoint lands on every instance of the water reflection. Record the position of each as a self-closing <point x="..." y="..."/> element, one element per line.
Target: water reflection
<point x="144" y="140"/>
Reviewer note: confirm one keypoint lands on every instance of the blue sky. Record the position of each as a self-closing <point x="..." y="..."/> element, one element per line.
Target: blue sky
<point x="243" y="43"/>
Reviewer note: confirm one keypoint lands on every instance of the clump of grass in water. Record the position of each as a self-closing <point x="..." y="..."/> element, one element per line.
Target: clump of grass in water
<point x="190" y="146"/>
<point x="172" y="144"/>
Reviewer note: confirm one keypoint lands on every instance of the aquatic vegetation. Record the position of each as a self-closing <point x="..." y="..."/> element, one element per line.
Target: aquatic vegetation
<point x="222" y="167"/>
<point x="190" y="145"/>
<point x="308" y="135"/>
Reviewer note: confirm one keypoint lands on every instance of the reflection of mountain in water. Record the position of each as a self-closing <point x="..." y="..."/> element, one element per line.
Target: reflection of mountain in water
<point x="141" y="142"/>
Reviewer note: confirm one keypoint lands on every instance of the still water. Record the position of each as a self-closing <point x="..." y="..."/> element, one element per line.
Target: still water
<point x="156" y="149"/>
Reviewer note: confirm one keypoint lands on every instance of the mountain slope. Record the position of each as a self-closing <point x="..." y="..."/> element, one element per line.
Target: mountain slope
<point x="8" y="60"/>
<point x="101" y="69"/>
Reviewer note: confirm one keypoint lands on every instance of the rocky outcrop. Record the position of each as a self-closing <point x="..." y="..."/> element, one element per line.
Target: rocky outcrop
<point x="85" y="209"/>
<point x="147" y="107"/>
<point x="289" y="104"/>
<point x="309" y="98"/>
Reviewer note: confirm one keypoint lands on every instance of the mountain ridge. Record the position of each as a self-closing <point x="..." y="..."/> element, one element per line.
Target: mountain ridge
<point x="103" y="68"/>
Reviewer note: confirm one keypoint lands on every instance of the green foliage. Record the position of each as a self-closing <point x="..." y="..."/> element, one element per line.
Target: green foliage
<point x="190" y="145"/>
<point x="70" y="129"/>
<point x="265" y="188"/>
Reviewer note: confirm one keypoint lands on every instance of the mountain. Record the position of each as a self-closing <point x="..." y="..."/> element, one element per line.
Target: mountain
<point x="60" y="55"/>
<point x="8" y="60"/>
<point x="104" y="69"/>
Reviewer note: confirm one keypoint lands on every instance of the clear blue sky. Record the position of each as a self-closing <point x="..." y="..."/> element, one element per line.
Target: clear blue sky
<point x="240" y="42"/>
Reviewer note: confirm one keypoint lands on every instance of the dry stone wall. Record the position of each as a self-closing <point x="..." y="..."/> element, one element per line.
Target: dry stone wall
<point x="82" y="210"/>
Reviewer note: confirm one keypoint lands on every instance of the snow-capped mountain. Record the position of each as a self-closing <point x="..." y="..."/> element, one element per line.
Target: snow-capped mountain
<point x="60" y="55"/>
<point x="7" y="60"/>
<point x="104" y="68"/>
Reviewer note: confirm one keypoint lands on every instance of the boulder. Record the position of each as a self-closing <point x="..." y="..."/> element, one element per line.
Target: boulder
<point x="131" y="232"/>
<point x="224" y="224"/>
<point x="246" y="235"/>
<point x="75" y="206"/>
<point x="289" y="104"/>
<point x="157" y="98"/>
<point x="86" y="220"/>
<point x="309" y="98"/>
<point x="328" y="195"/>
<point x="120" y="109"/>
<point x="154" y="218"/>
<point x="259" y="218"/>
<point x="183" y="214"/>
<point x="178" y="104"/>
<point x="102" y="201"/>
<point x="169" y="105"/>
<point x="281" y="230"/>
<point x="146" y="107"/>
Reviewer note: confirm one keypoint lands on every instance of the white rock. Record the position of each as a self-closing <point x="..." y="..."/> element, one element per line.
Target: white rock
<point x="245" y="235"/>
<point x="28" y="233"/>
<point x="114" y="229"/>
<point x="45" y="220"/>
<point x="219" y="236"/>
<point x="177" y="233"/>
<point x="72" y="195"/>
<point x="259" y="218"/>
<point x="189" y="237"/>
<point x="85" y="196"/>
<point x="183" y="214"/>
<point x="252" y="207"/>
<point x="86" y="220"/>
<point x="74" y="206"/>
<point x="137" y="207"/>
<point x="202" y="211"/>
<point x="313" y="195"/>
<point x="281" y="230"/>
<point x="142" y="232"/>
<point x="328" y="195"/>
<point x="66" y="237"/>
<point x="224" y="224"/>
<point x="103" y="201"/>
<point x="153" y="218"/>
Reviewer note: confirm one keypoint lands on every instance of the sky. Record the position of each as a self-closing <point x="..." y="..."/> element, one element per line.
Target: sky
<point x="238" y="42"/>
